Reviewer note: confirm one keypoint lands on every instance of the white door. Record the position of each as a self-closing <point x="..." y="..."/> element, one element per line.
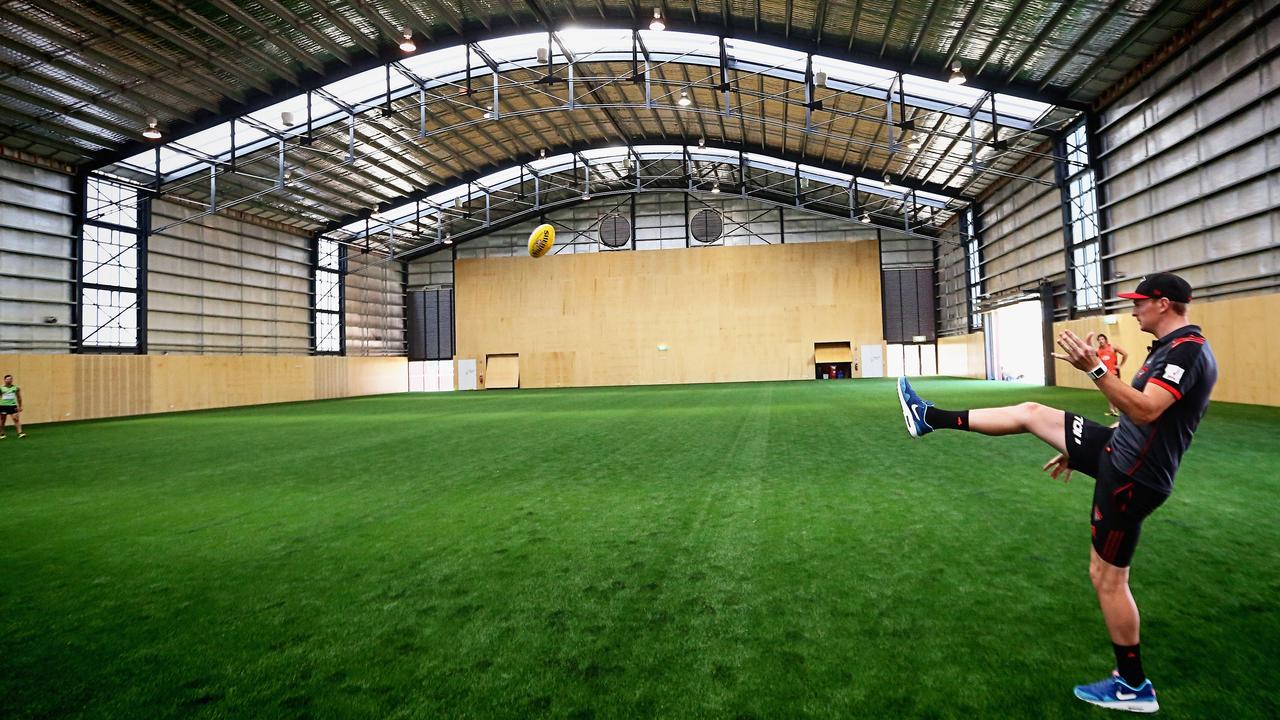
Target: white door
<point x="872" y="361"/>
<point x="467" y="374"/>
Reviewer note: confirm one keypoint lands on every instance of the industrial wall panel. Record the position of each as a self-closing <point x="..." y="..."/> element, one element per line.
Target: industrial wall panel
<point x="1191" y="164"/>
<point x="373" y="297"/>
<point x="1022" y="235"/>
<point x="223" y="285"/>
<point x="37" y="265"/>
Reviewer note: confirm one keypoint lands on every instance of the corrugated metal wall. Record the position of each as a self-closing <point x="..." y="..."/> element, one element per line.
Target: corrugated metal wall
<point x="1021" y="232"/>
<point x="1192" y="163"/>
<point x="373" y="297"/>
<point x="224" y="285"/>
<point x="36" y="259"/>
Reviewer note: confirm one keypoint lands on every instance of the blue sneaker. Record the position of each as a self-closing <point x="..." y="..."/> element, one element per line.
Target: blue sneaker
<point x="912" y="409"/>
<point x="1116" y="694"/>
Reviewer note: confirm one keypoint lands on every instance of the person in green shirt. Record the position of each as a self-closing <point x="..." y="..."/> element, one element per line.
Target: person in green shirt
<point x="10" y="404"/>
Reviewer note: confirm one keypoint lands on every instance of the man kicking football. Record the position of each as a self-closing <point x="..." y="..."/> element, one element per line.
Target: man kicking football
<point x="1133" y="463"/>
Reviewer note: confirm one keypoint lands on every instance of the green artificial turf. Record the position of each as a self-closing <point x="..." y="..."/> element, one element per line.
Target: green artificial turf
<point x="768" y="550"/>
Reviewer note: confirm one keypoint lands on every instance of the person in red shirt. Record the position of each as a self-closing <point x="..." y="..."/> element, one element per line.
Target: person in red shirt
<point x="1107" y="354"/>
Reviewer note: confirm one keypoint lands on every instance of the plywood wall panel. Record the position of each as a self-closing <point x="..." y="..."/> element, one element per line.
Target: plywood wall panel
<point x="80" y="387"/>
<point x="1236" y="329"/>
<point x="723" y="313"/>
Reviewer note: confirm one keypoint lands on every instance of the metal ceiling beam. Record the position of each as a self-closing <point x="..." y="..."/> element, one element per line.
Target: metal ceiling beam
<point x="96" y="57"/>
<point x="20" y="128"/>
<point x="1013" y="14"/>
<point x="1153" y="17"/>
<point x="1103" y="18"/>
<point x="307" y="29"/>
<point x="58" y="110"/>
<point x="412" y="19"/>
<point x="1037" y="44"/>
<point x="964" y="30"/>
<point x="338" y="20"/>
<point x="270" y="35"/>
<point x="103" y="35"/>
<point x="232" y="41"/>
<point x="918" y="38"/>
<point x="480" y="172"/>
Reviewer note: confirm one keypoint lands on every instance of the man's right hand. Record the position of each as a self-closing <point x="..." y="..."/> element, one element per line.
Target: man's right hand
<point x="1059" y="465"/>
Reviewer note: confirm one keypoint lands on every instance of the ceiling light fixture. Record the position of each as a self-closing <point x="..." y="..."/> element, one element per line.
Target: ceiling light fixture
<point x="702" y="142"/>
<point x="820" y="79"/>
<point x="448" y="239"/>
<point x="152" y="132"/>
<point x="542" y="153"/>
<point x="715" y="187"/>
<point x="586" y="196"/>
<point x="957" y="77"/>
<point x="488" y="112"/>
<point x="286" y="118"/>
<point x="543" y="56"/>
<point x="656" y="24"/>
<point x="866" y="217"/>
<point x="684" y="100"/>
<point x="406" y="41"/>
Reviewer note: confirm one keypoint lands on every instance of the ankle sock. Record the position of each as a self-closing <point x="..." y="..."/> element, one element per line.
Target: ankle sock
<point x="946" y="419"/>
<point x="1129" y="663"/>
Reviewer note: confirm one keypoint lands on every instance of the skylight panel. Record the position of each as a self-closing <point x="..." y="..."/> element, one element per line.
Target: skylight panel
<point x="595" y="45"/>
<point x="443" y="63"/>
<point x="763" y="57"/>
<point x="854" y="75"/>
<point x="957" y="96"/>
<point x="672" y="44"/>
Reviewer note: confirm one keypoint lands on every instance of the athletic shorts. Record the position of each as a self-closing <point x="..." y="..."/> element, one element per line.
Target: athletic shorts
<point x="8" y="409"/>
<point x="1119" y="503"/>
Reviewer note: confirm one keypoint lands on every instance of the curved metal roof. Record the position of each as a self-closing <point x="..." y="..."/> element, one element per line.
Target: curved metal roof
<point x="374" y="128"/>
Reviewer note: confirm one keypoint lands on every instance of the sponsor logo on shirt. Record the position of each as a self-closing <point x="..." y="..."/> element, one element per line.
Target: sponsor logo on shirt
<point x="1173" y="373"/>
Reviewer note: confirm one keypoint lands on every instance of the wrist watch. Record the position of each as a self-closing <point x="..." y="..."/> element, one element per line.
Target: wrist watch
<point x="1098" y="371"/>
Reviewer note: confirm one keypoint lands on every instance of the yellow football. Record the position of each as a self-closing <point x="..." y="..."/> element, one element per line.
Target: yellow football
<point x="541" y="240"/>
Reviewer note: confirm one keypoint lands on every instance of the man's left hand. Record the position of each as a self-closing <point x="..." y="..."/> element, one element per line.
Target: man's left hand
<point x="1080" y="353"/>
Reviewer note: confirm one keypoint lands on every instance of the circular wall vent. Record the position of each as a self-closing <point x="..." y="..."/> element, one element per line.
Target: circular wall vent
<point x="615" y="231"/>
<point x="706" y="226"/>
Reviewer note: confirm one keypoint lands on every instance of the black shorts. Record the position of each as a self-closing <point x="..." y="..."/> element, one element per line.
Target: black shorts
<point x="8" y="409"/>
<point x="1120" y="504"/>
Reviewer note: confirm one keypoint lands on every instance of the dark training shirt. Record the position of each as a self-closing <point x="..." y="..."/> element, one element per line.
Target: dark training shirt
<point x="1182" y="363"/>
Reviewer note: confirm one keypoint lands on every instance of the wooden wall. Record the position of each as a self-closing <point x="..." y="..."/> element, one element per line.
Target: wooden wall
<point x="79" y="387"/>
<point x="963" y="355"/>
<point x="1238" y="330"/>
<point x="723" y="313"/>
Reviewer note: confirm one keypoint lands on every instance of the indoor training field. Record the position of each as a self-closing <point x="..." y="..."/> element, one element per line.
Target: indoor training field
<point x="762" y="550"/>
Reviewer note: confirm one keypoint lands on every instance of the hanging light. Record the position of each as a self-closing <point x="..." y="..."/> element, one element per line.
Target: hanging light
<point x="488" y="112"/>
<point x="866" y="217"/>
<point x="153" y="131"/>
<point x="820" y="78"/>
<point x="656" y="23"/>
<point x="586" y="196"/>
<point x="957" y="77"/>
<point x="448" y="239"/>
<point x="715" y="187"/>
<point x="406" y="41"/>
<point x="542" y="153"/>
<point x="684" y="100"/>
<point x="286" y="118"/>
<point x="543" y="56"/>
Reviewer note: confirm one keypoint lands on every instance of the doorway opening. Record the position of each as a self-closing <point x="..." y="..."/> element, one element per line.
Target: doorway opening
<point x="1017" y="347"/>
